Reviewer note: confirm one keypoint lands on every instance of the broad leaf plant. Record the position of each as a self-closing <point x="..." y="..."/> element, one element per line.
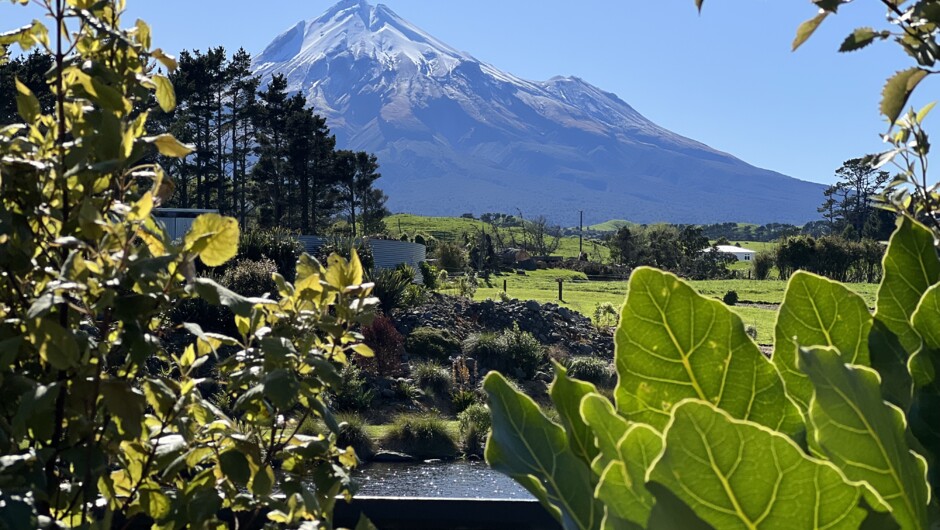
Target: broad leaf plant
<point x="838" y="428"/>
<point x="107" y="420"/>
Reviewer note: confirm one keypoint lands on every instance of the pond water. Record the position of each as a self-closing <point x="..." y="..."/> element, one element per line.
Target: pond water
<point x="458" y="479"/>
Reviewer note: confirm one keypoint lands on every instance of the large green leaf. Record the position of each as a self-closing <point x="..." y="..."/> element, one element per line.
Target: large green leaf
<point x="910" y="268"/>
<point x="889" y="359"/>
<point x="738" y="474"/>
<point x="863" y="435"/>
<point x="528" y="447"/>
<point x="671" y="513"/>
<point x="607" y="427"/>
<point x="673" y="344"/>
<point x="924" y="415"/>
<point x="626" y="453"/>
<point x="818" y="312"/>
<point x="566" y="394"/>
<point x="622" y="486"/>
<point x="926" y="318"/>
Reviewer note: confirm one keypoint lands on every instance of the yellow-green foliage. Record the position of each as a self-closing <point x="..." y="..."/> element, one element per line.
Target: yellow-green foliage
<point x="101" y="422"/>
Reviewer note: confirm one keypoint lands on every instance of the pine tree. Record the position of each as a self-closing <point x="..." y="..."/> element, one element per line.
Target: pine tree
<point x="242" y="101"/>
<point x="269" y="171"/>
<point x="356" y="172"/>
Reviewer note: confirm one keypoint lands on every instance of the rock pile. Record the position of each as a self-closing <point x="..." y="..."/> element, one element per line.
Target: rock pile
<point x="550" y="323"/>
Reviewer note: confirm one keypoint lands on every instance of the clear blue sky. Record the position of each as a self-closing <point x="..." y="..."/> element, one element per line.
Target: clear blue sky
<point x="726" y="77"/>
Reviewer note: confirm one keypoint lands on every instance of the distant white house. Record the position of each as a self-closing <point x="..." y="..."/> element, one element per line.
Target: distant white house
<point x="743" y="254"/>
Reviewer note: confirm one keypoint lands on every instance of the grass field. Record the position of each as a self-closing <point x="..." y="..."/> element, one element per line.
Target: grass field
<point x="377" y="432"/>
<point x="452" y="228"/>
<point x="584" y="296"/>
<point x="611" y="226"/>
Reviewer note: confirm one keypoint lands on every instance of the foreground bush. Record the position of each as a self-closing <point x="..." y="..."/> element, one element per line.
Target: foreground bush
<point x="430" y="343"/>
<point x="421" y="436"/>
<point x="100" y="425"/>
<point x="836" y="430"/>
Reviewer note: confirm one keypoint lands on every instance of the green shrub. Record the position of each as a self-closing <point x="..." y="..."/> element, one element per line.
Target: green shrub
<point x="461" y="399"/>
<point x="451" y="256"/>
<point x="391" y="284"/>
<point x="511" y="351"/>
<point x="351" y="395"/>
<point x="277" y="244"/>
<point x="352" y="433"/>
<point x="474" y="424"/>
<point x="414" y="296"/>
<point x="762" y="265"/>
<point x="430" y="343"/>
<point x="433" y="377"/>
<point x="751" y="332"/>
<point x="487" y="348"/>
<point x="429" y="275"/>
<point x="466" y="285"/>
<point x="405" y="390"/>
<point x="421" y="436"/>
<point x="504" y="297"/>
<point x="730" y="298"/>
<point x="591" y="369"/>
<point x="605" y="315"/>
<point x="251" y="277"/>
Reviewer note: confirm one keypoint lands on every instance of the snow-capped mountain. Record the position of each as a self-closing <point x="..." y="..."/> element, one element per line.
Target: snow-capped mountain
<point x="456" y="135"/>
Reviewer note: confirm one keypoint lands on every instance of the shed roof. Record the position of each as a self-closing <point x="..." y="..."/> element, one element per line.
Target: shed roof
<point x="732" y="249"/>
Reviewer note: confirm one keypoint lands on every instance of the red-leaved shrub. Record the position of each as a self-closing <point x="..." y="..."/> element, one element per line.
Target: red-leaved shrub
<point x="388" y="345"/>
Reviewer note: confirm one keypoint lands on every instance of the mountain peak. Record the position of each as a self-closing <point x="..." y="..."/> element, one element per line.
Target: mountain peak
<point x="360" y="30"/>
<point x="455" y="135"/>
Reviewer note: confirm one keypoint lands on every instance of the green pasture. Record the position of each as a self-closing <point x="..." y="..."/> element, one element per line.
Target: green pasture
<point x="451" y="229"/>
<point x="584" y="296"/>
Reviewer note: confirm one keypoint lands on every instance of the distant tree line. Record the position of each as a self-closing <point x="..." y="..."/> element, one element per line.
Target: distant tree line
<point x="261" y="154"/>
<point x="834" y="257"/>
<point x="684" y="250"/>
<point x="749" y="232"/>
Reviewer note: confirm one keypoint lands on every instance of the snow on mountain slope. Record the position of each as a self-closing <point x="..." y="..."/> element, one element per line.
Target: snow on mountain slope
<point x="456" y="135"/>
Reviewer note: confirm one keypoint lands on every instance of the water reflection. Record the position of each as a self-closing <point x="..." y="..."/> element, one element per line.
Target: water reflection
<point x="460" y="479"/>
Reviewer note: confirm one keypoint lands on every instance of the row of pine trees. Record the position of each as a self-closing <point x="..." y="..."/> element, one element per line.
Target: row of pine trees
<point x="261" y="154"/>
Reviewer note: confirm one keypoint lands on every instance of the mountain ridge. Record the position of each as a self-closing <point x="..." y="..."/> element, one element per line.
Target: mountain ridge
<point x="454" y="134"/>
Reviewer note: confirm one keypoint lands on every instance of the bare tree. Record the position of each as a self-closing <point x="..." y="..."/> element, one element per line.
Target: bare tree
<point x="545" y="238"/>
